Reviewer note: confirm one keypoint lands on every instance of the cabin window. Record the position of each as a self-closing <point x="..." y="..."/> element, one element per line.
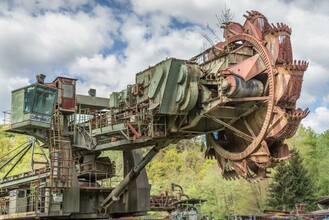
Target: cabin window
<point x="68" y="90"/>
<point x="28" y="98"/>
<point x="44" y="101"/>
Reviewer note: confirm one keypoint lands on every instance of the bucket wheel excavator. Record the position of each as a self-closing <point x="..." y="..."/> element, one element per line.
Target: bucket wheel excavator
<point x="240" y="94"/>
<point x="266" y="83"/>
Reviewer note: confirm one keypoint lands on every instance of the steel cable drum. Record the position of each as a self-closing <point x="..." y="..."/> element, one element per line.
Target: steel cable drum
<point x="240" y="88"/>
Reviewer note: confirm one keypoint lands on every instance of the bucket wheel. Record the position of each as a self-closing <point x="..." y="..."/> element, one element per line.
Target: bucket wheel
<point x="239" y="146"/>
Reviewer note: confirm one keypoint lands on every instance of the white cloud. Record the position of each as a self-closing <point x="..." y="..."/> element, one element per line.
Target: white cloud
<point x="147" y="44"/>
<point x="204" y="12"/>
<point x="97" y="70"/>
<point x="187" y="10"/>
<point x="325" y="100"/>
<point x="43" y="43"/>
<point x="50" y="42"/>
<point x="318" y="120"/>
<point x="65" y="37"/>
<point x="101" y="90"/>
<point x="39" y="6"/>
<point x="315" y="85"/>
<point x="316" y="7"/>
<point x="8" y="84"/>
<point x="142" y="52"/>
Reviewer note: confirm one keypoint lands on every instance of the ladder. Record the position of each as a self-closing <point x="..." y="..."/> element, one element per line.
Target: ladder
<point x="60" y="155"/>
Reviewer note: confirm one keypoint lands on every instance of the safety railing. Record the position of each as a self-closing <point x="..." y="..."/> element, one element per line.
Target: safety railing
<point x="24" y="203"/>
<point x="162" y="201"/>
<point x="133" y="126"/>
<point x="101" y="180"/>
<point x="186" y="214"/>
<point x="4" y="206"/>
<point x="7" y="117"/>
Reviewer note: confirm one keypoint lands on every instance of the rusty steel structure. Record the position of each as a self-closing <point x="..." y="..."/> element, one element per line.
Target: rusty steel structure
<point x="261" y="56"/>
<point x="177" y="204"/>
<point x="240" y="93"/>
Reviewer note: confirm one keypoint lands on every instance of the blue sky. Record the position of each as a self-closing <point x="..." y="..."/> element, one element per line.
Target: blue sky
<point x="105" y="43"/>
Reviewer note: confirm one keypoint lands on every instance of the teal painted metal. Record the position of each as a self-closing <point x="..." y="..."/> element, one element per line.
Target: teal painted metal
<point x="32" y="107"/>
<point x="171" y="85"/>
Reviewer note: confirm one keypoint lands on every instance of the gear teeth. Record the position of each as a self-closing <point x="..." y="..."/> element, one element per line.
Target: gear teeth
<point x="210" y="153"/>
<point x="230" y="175"/>
<point x="280" y="28"/>
<point x="298" y="114"/>
<point x="300" y="65"/>
<point x="252" y="15"/>
<point x="293" y="119"/>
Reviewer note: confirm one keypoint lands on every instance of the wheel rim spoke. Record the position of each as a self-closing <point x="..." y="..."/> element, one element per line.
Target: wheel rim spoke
<point x="230" y="127"/>
<point x="249" y="128"/>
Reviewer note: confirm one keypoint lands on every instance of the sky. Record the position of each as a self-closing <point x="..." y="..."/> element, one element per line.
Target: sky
<point x="105" y="43"/>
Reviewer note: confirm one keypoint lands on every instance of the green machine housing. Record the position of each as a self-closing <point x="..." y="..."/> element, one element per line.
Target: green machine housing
<point x="171" y="86"/>
<point x="32" y="107"/>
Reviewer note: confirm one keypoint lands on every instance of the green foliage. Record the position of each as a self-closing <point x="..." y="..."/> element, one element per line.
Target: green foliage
<point x="8" y="142"/>
<point x="291" y="185"/>
<point x="321" y="159"/>
<point x="173" y="164"/>
<point x="117" y="158"/>
<point x="184" y="164"/>
<point x="226" y="197"/>
<point x="300" y="182"/>
<point x="279" y="188"/>
<point x="305" y="142"/>
<point x="305" y="177"/>
<point x="314" y="149"/>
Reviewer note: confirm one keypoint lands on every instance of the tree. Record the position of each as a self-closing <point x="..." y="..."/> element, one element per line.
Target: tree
<point x="184" y="164"/>
<point x="321" y="158"/>
<point x="278" y="190"/>
<point x="305" y="141"/>
<point x="291" y="185"/>
<point x="226" y="16"/>
<point x="300" y="183"/>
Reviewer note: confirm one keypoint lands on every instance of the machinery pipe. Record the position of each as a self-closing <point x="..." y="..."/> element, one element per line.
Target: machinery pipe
<point x="240" y="88"/>
<point x="133" y="174"/>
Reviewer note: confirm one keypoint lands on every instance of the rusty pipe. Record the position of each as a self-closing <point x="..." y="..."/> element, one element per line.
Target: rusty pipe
<point x="132" y="175"/>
